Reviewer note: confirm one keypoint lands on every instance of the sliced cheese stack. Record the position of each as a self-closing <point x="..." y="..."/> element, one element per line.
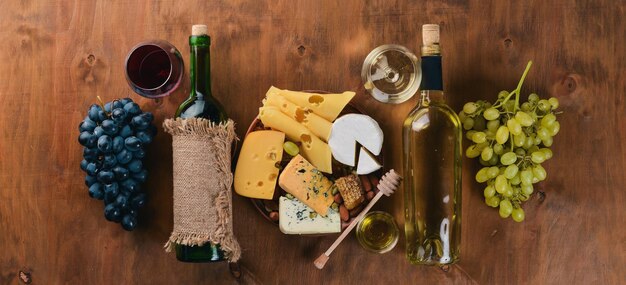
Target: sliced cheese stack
<point x="311" y="146"/>
<point x="305" y="118"/>
<point x="297" y="218"/>
<point x="316" y="124"/>
<point x="350" y="130"/>
<point x="256" y="172"/>
<point x="327" y="106"/>
<point x="308" y="184"/>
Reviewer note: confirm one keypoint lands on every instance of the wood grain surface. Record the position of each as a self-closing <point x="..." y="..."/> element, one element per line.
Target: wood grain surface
<point x="57" y="56"/>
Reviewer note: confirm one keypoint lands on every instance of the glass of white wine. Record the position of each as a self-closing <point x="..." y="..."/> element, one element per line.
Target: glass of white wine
<point x="391" y="74"/>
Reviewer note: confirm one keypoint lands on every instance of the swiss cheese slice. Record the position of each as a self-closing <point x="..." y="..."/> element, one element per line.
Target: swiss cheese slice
<point x="318" y="153"/>
<point x="314" y="149"/>
<point x="316" y="124"/>
<point x="272" y="117"/>
<point x="327" y="106"/>
<point x="297" y="218"/>
<point x="302" y="180"/>
<point x="350" y="129"/>
<point x="256" y="173"/>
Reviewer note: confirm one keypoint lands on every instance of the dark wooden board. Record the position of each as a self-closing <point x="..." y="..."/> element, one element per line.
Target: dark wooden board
<point x="57" y="56"/>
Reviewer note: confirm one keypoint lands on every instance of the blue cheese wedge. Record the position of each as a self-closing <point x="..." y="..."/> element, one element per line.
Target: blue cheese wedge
<point x="297" y="218"/>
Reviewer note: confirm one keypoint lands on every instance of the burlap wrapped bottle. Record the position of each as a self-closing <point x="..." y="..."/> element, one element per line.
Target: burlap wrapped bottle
<point x="202" y="184"/>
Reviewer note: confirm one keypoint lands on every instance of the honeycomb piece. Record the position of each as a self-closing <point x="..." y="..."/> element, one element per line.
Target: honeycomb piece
<point x="350" y="190"/>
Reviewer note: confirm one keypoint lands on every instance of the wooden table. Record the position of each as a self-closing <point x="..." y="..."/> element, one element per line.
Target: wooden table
<point x="57" y="56"/>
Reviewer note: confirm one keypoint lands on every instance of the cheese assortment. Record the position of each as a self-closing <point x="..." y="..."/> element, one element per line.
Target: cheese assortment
<point x="297" y="218"/>
<point x="312" y="200"/>
<point x="308" y="184"/>
<point x="256" y="172"/>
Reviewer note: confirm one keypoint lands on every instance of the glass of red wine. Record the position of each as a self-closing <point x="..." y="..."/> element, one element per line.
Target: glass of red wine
<point x="154" y="69"/>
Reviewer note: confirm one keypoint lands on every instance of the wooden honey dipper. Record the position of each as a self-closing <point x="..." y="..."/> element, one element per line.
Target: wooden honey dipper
<point x="387" y="185"/>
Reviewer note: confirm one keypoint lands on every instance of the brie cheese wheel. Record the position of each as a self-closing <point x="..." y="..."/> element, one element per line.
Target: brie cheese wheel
<point x="349" y="129"/>
<point x="297" y="218"/>
<point x="367" y="163"/>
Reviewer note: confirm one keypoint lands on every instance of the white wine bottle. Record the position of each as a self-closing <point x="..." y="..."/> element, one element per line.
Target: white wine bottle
<point x="432" y="166"/>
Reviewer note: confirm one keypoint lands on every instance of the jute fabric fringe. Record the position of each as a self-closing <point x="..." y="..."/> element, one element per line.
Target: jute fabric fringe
<point x="202" y="184"/>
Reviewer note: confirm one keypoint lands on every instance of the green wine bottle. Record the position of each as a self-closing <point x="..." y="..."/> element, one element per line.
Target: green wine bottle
<point x="200" y="104"/>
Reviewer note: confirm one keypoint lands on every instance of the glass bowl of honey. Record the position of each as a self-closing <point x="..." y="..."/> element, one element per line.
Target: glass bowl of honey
<point x="377" y="232"/>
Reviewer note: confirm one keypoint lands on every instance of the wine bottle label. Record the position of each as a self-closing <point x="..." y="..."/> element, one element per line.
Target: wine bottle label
<point x="202" y="181"/>
<point x="431" y="73"/>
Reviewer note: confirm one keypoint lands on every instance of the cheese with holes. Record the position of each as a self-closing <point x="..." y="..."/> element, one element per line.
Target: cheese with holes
<point x="297" y="218"/>
<point x="350" y="129"/>
<point x="316" y="124"/>
<point x="272" y="117"/>
<point x="314" y="149"/>
<point x="302" y="180"/>
<point x="318" y="153"/>
<point x="327" y="106"/>
<point x="256" y="173"/>
<point x="367" y="163"/>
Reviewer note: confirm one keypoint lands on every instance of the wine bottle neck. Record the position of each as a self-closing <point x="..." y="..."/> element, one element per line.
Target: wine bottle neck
<point x="200" y="66"/>
<point x="432" y="79"/>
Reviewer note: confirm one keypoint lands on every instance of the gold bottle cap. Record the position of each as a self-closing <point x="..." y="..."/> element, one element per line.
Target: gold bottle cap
<point x="199" y="30"/>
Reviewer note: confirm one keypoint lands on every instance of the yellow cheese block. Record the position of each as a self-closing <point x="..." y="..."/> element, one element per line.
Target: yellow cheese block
<point x="256" y="172"/>
<point x="327" y="106"/>
<point x="314" y="149"/>
<point x="308" y="184"/>
<point x="316" y="124"/>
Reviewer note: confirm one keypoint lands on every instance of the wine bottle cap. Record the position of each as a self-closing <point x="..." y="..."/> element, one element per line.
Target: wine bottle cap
<point x="199" y="30"/>
<point x="430" y="34"/>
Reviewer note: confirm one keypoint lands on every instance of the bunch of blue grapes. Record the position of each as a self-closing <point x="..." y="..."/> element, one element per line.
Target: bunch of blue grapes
<point x="114" y="137"/>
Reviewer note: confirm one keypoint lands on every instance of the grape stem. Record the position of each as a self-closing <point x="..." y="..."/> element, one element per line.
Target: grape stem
<point x="101" y="102"/>
<point x="108" y="114"/>
<point x="520" y="83"/>
<point x="517" y="90"/>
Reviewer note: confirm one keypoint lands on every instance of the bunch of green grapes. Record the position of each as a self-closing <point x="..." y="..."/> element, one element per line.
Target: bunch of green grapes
<point x="511" y="140"/>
